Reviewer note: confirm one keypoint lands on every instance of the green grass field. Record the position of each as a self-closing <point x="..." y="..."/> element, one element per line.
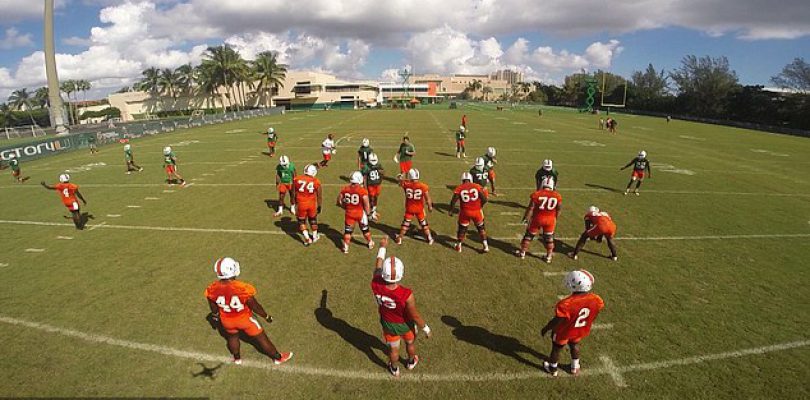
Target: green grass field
<point x="709" y="298"/>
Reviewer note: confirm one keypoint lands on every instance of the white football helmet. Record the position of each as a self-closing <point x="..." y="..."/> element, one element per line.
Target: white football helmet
<point x="491" y="151"/>
<point x="366" y="142"/>
<point x="393" y="269"/>
<point x="357" y="177"/>
<point x="64" y="178"/>
<point x="579" y="281"/>
<point x="284" y="161"/>
<point x="547" y="165"/>
<point x="311" y="170"/>
<point x="642" y="154"/>
<point x="372" y="159"/>
<point x="270" y="130"/>
<point x="127" y="147"/>
<point x="466" y="176"/>
<point x="167" y="150"/>
<point x="593" y="209"/>
<point x="413" y="174"/>
<point x="226" y="268"/>
<point x="547" y="183"/>
<point x="462" y="128"/>
<point x="480" y="163"/>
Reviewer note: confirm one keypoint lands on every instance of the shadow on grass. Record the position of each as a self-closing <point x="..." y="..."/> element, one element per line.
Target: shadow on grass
<point x="506" y="345"/>
<point x="607" y="188"/>
<point x="358" y="338"/>
<point x="207" y="372"/>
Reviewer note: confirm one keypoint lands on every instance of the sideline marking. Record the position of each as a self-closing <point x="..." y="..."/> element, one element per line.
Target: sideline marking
<point x="98" y="225"/>
<point x="65" y="237"/>
<point x="168" y="191"/>
<point x="151" y="198"/>
<point x="602" y="326"/>
<point x="36" y="250"/>
<point x="133" y="206"/>
<point x="113" y="215"/>
<point x="614" y="371"/>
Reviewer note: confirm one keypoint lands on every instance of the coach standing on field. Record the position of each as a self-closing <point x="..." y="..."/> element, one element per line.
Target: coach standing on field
<point x="404" y="156"/>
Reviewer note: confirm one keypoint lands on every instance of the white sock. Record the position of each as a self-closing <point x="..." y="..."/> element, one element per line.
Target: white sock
<point x="552" y="365"/>
<point x="306" y="234"/>
<point x="575" y="363"/>
<point x="280" y="208"/>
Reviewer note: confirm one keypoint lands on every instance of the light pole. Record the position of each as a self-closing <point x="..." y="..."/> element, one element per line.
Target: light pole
<point x="54" y="97"/>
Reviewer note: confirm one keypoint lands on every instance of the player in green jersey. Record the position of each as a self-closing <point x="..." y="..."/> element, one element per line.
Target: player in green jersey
<point x="170" y="164"/>
<point x="461" y="134"/>
<point x="272" y="138"/>
<point x="285" y="172"/>
<point x="480" y="173"/>
<point x="373" y="173"/>
<point x="490" y="160"/>
<point x="16" y="173"/>
<point x="131" y="166"/>
<point x="641" y="169"/>
<point x="547" y="170"/>
<point x="91" y="142"/>
<point x="362" y="154"/>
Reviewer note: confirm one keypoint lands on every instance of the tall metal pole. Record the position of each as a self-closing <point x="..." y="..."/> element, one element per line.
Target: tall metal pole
<point x="54" y="97"/>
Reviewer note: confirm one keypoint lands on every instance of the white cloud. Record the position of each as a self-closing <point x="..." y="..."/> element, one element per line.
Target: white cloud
<point x="13" y="39"/>
<point x="12" y="11"/>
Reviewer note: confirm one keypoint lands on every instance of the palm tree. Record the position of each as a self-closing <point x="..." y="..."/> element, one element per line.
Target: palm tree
<point x="168" y="83"/>
<point x="474" y="85"/>
<point x="84" y="86"/>
<point x="207" y="83"/>
<point x="185" y="78"/>
<point x="20" y="100"/>
<point x="269" y="74"/>
<point x="525" y="87"/>
<point x="150" y="81"/>
<point x="41" y="97"/>
<point x="224" y="62"/>
<point x="7" y="114"/>
<point x="69" y="86"/>
<point x="486" y="91"/>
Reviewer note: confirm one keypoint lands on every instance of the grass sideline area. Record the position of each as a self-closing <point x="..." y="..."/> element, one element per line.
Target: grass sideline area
<point x="708" y="299"/>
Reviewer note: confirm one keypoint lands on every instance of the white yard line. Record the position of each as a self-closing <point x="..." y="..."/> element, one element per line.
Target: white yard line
<point x="151" y="198"/>
<point x="114" y="215"/>
<point x="558" y="273"/>
<point x="36" y="250"/>
<point x="133" y="206"/>
<point x="609" y="368"/>
<point x="3" y="264"/>
<point x="98" y="225"/>
<point x="64" y="237"/>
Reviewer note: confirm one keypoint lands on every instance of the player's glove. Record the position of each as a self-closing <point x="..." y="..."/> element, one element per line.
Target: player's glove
<point x="319" y="209"/>
<point x="268" y="318"/>
<point x="292" y="208"/>
<point x="427" y="331"/>
<point x="213" y="320"/>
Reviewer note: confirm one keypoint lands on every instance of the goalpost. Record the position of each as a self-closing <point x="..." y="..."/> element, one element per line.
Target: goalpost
<point x="613" y="99"/>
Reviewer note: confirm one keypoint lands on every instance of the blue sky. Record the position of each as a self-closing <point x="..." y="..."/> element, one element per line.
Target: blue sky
<point x="368" y="39"/>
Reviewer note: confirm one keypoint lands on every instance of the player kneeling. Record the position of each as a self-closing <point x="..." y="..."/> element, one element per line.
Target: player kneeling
<point x="573" y="318"/>
<point x="306" y="203"/>
<point x="417" y="194"/>
<point x="397" y="307"/>
<point x="598" y="225"/>
<point x="472" y="197"/>
<point x="233" y="306"/>
<point x="354" y="199"/>
<point x="543" y="209"/>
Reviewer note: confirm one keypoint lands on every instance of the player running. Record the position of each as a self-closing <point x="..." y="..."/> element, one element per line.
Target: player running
<point x="417" y="194"/>
<point x="363" y="153"/>
<point x="16" y="173"/>
<point x="68" y="192"/>
<point x="91" y="143"/>
<point x="272" y="139"/>
<point x="641" y="169"/>
<point x="399" y="316"/>
<point x="573" y="318"/>
<point x="327" y="148"/>
<point x="598" y="225"/>
<point x="490" y="160"/>
<point x="285" y="172"/>
<point x="170" y="164"/>
<point x="545" y="171"/>
<point x="472" y="197"/>
<point x="480" y="173"/>
<point x="233" y="305"/>
<point x="353" y="198"/>
<point x="373" y="173"/>
<point x="404" y="156"/>
<point x="461" y="134"/>
<point x="306" y="203"/>
<point x="130" y="160"/>
<point x="543" y="209"/>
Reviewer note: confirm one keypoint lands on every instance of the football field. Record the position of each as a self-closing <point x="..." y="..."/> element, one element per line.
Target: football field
<point x="709" y="297"/>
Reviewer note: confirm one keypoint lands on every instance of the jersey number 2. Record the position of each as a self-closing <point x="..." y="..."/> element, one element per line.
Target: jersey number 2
<point x="582" y="320"/>
<point x="234" y="305"/>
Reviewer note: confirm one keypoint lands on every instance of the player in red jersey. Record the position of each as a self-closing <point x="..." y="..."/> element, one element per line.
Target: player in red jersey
<point x="233" y="306"/>
<point x="543" y="209"/>
<point x="68" y="192"/>
<point x="306" y="203"/>
<point x="399" y="316"/>
<point x="573" y="318"/>
<point x="464" y="121"/>
<point x="598" y="225"/>
<point x="417" y="194"/>
<point x="354" y="199"/>
<point x="472" y="197"/>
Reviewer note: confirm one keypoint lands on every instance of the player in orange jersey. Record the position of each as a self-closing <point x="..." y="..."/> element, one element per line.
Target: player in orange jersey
<point x="354" y="199"/>
<point x="68" y="192"/>
<point x="598" y="225"/>
<point x="306" y="203"/>
<point x="543" y="209"/>
<point x="233" y="305"/>
<point x="472" y="197"/>
<point x="399" y="316"/>
<point x="573" y="318"/>
<point x="417" y="194"/>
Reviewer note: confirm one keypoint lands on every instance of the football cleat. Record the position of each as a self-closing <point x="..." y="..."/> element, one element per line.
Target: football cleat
<point x="64" y="178"/>
<point x="548" y="368"/>
<point x="573" y="256"/>
<point x="237" y="361"/>
<point x="307" y="242"/>
<point x="311" y="170"/>
<point x="226" y="268"/>
<point x="392" y="270"/>
<point x="315" y="236"/>
<point x="547" y="259"/>
<point x="277" y="213"/>
<point x="394" y="370"/>
<point x="345" y="248"/>
<point x="398" y="239"/>
<point x="372" y="159"/>
<point x="457" y="247"/>
<point x="579" y="281"/>
<point x="370" y="244"/>
<point x="480" y="163"/>
<point x="614" y="258"/>
<point x="430" y="240"/>
<point x="485" y="249"/>
<point x="521" y="254"/>
<point x="356" y="178"/>
<point x="411" y="364"/>
<point x="284" y="358"/>
<point x="636" y="193"/>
